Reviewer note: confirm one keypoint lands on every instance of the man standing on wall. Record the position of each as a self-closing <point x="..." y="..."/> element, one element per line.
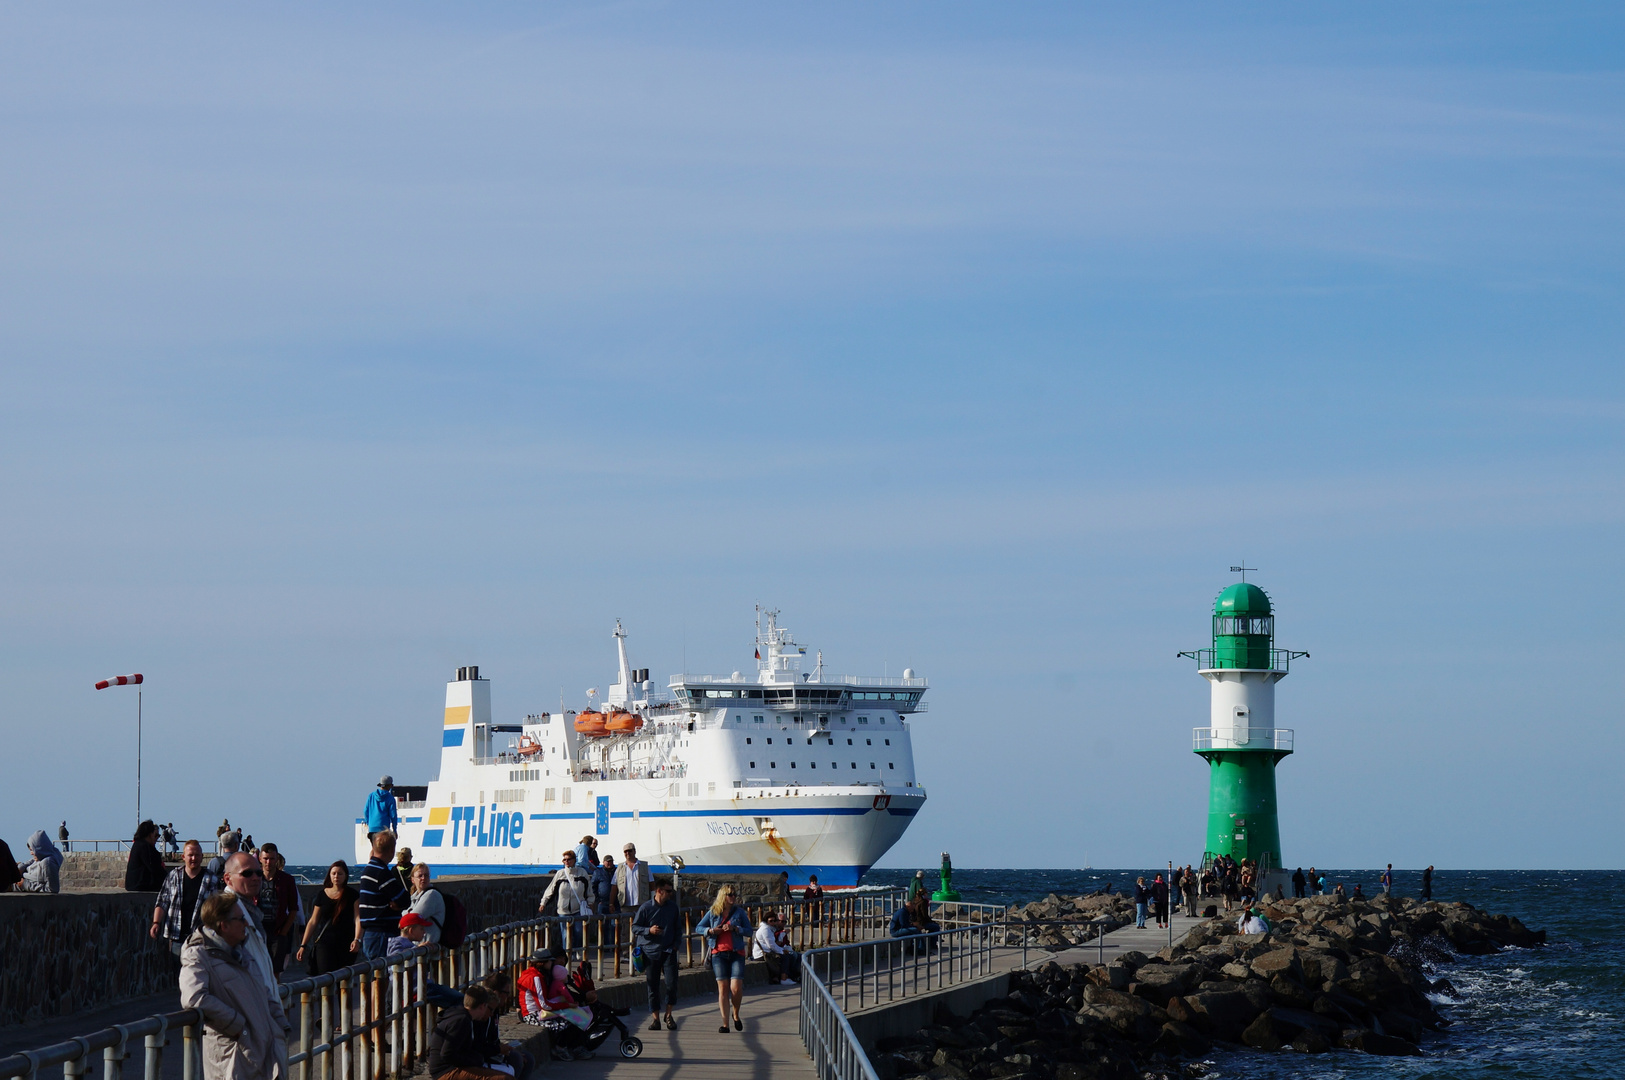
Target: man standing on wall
<point x="62" y="837"/>
<point x="381" y="813"/>
<point x="632" y="881"/>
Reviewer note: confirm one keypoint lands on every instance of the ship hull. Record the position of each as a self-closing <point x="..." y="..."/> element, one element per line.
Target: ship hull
<point x="835" y="836"/>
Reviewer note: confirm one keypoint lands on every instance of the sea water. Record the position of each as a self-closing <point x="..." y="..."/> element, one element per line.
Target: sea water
<point x="1543" y="1014"/>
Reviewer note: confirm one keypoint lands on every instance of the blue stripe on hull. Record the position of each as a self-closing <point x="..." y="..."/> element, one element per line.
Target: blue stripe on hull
<point x="831" y="877"/>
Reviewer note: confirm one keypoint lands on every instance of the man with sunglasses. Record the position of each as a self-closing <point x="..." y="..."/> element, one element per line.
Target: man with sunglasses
<point x="244" y="877"/>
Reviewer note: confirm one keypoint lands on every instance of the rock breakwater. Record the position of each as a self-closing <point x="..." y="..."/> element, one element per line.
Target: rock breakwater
<point x="1331" y="973"/>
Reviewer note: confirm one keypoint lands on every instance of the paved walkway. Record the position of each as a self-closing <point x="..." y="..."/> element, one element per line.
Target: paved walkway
<point x="768" y="1049"/>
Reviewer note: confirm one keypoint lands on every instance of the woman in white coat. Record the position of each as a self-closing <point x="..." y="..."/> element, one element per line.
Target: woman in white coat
<point x="245" y="1034"/>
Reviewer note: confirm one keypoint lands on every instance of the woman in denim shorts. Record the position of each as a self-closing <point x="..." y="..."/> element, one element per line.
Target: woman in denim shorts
<point x="726" y="929"/>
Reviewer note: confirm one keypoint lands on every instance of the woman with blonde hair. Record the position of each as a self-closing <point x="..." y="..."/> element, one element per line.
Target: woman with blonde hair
<point x="727" y="928"/>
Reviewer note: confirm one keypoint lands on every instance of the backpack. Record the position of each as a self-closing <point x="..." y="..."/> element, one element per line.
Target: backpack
<point x="455" y="928"/>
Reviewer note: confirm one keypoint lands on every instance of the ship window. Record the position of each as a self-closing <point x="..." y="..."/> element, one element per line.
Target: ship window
<point x="753" y="764"/>
<point x="770" y="742"/>
<point x="889" y="765"/>
<point x="792" y="764"/>
<point x="809" y="742"/>
<point x="758" y="719"/>
<point x="711" y="788"/>
<point x="871" y="764"/>
<point x="772" y="764"/>
<point x="882" y="719"/>
<point x="747" y="741"/>
<point x="547" y="796"/>
<point x="863" y="719"/>
<point x="566" y="795"/>
<point x="812" y="764"/>
<point x="888" y="742"/>
<point x="868" y="742"/>
<point x="849" y="742"/>
<point x="854" y="764"/>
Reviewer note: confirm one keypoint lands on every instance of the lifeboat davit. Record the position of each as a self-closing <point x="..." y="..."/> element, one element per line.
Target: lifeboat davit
<point x="623" y="723"/>
<point x="527" y="746"/>
<point x="590" y="724"/>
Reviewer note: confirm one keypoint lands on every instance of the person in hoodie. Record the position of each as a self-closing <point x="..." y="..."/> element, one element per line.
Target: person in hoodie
<point x="42" y="873"/>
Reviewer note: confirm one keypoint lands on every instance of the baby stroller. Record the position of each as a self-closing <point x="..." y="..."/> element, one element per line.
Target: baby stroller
<point x="604" y="1018"/>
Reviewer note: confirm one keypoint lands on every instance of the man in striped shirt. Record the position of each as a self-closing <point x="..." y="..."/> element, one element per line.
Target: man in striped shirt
<point x="383" y="898"/>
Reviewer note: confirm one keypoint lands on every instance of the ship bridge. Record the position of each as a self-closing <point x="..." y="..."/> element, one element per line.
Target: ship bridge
<point x="781" y="685"/>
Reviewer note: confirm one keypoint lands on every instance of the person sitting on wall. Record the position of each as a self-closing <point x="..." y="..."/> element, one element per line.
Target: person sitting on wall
<point x="770" y="944"/>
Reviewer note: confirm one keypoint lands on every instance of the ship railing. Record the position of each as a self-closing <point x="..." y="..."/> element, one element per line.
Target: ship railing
<point x="827" y="680"/>
<point x="1252" y="738"/>
<point x="372" y="1020"/>
<point x="667" y="772"/>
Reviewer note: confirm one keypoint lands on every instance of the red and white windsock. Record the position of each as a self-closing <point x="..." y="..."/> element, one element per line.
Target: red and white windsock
<point x="120" y="680"/>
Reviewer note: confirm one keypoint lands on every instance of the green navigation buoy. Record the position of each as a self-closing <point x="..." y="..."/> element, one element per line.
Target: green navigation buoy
<point x="946" y="894"/>
<point x="1241" y="743"/>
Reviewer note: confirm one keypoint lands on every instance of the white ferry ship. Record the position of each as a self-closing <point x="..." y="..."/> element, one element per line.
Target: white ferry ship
<point x="804" y="772"/>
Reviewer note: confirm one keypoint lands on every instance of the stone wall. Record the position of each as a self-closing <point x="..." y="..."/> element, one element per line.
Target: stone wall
<point x="60" y="954"/>
<point x="93" y="870"/>
<point x="82" y="950"/>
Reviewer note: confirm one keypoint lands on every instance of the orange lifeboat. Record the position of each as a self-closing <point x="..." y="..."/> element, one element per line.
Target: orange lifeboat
<point x="623" y="723"/>
<point x="590" y="724"/>
<point x="527" y="746"/>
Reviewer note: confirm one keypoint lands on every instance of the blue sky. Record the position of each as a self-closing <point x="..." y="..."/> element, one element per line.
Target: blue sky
<point x="339" y="349"/>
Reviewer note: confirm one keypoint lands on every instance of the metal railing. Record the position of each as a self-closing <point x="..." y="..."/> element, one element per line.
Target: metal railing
<point x="882" y="972"/>
<point x="1280" y="660"/>
<point x="75" y="846"/>
<point x="371" y="1021"/>
<point x="894" y="969"/>
<point x="363" y="1022"/>
<point x="826" y="680"/>
<point x="1254" y="738"/>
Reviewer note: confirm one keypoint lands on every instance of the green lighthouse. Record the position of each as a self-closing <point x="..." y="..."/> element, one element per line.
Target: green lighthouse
<point x="1241" y="743"/>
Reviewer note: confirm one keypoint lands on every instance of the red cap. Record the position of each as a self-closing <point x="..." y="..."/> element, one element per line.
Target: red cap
<point x="412" y="918"/>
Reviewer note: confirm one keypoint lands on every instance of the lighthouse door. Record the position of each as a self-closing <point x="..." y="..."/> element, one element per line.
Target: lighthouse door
<point x="1238" y="840"/>
<point x="1241" y="720"/>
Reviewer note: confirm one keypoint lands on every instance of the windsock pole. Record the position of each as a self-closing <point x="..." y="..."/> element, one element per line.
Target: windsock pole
<point x="131" y="680"/>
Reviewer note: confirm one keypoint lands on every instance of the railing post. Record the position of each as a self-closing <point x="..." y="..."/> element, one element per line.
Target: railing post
<point x="304" y="1034"/>
<point x="191" y="1051"/>
<point x="325" y="1034"/>
<point x="155" y="1050"/>
<point x="113" y="1056"/>
<point x="346" y="1026"/>
<point x="75" y="1068"/>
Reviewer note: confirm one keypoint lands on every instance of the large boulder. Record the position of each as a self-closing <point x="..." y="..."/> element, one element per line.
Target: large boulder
<point x="1278" y="962"/>
<point x="1159" y="982"/>
<point x="1178" y="1039"/>
<point x="1224" y="1015"/>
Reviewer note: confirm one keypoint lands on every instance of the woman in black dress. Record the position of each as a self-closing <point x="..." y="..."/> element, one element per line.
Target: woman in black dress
<point x="333" y="935"/>
<point x="145" y="870"/>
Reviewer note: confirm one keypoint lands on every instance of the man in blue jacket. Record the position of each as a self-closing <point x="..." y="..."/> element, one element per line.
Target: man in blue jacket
<point x="381" y="812"/>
